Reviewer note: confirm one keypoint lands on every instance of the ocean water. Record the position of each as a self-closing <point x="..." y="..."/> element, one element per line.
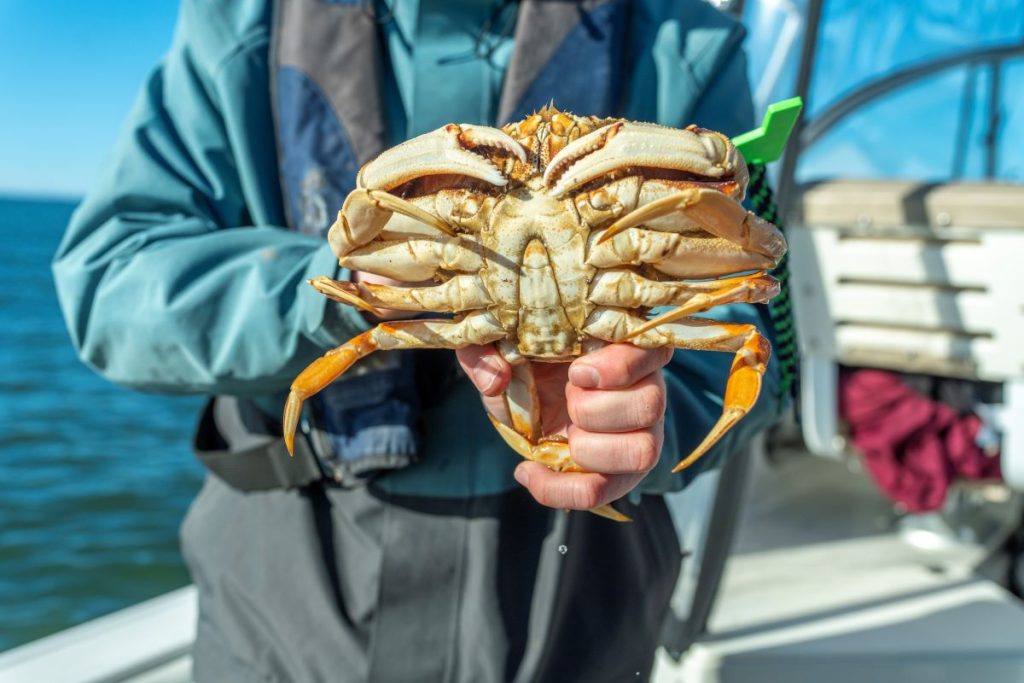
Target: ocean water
<point x="94" y="478"/>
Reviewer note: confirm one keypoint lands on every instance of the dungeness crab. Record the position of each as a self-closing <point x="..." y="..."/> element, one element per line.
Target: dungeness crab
<point x="551" y="237"/>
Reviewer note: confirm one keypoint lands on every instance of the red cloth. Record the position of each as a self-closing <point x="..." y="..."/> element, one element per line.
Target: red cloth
<point x="914" y="447"/>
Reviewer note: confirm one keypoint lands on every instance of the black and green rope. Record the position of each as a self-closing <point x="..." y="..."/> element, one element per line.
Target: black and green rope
<point x="786" y="352"/>
<point x="761" y="146"/>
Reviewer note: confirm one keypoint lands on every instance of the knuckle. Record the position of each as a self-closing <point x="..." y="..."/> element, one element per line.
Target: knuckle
<point x="649" y="406"/>
<point x="581" y="409"/>
<point x="586" y="493"/>
<point x="627" y="370"/>
<point x="645" y="451"/>
<point x="642" y="362"/>
<point x="619" y="365"/>
<point x="540" y="494"/>
<point x="543" y="492"/>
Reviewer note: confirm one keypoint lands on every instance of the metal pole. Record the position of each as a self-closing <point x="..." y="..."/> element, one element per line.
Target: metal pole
<point x="828" y="118"/>
<point x="994" y="117"/>
<point x="787" y="171"/>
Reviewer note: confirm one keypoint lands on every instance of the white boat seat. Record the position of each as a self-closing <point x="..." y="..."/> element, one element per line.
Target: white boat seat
<point x="913" y="278"/>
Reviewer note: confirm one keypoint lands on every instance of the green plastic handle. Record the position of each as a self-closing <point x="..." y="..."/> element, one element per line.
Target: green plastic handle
<point x="765" y="143"/>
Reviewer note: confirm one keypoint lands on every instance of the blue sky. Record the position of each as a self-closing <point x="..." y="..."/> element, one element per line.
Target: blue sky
<point x="70" y="69"/>
<point x="69" y="72"/>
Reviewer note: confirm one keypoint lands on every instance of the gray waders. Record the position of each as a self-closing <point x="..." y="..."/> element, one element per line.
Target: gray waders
<point x="323" y="583"/>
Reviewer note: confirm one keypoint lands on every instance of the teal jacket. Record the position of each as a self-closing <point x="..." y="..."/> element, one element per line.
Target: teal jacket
<point x="177" y="274"/>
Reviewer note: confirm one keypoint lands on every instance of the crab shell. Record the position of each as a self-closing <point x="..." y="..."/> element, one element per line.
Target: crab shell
<point x="552" y="236"/>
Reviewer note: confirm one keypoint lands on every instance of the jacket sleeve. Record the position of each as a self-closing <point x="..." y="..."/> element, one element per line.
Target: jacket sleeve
<point x="172" y="275"/>
<point x="696" y="379"/>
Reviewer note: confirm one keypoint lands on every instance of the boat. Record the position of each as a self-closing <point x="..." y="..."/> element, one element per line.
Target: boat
<point x="799" y="569"/>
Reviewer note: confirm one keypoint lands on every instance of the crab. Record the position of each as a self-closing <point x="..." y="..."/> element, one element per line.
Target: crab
<point x="549" y="238"/>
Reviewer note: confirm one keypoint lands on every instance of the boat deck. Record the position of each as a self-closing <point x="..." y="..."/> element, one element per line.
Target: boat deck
<point x="826" y="582"/>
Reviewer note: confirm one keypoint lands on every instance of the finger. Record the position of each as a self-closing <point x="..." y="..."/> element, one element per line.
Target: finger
<point x="574" y="490"/>
<point x="617" y="366"/>
<point x="489" y="372"/>
<point x="374" y="279"/>
<point x="624" y="410"/>
<point x="623" y="453"/>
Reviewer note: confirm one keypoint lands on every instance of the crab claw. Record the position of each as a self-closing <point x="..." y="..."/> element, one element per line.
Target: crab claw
<point x="443" y="151"/>
<point x="484" y="136"/>
<point x="626" y="144"/>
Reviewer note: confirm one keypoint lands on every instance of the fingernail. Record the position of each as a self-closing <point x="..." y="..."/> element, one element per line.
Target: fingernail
<point x="522" y="475"/>
<point x="583" y="376"/>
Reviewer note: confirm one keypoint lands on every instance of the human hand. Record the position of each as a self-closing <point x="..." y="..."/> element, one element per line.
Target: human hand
<point x="610" y="404"/>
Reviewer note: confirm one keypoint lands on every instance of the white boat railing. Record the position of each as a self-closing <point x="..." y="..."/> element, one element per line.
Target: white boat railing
<point x="150" y="642"/>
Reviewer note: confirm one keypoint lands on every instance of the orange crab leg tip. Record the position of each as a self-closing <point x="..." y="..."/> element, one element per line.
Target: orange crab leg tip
<point x="318" y="375"/>
<point x="741" y="392"/>
<point x="726" y="422"/>
<point x="606" y="235"/>
<point x="290" y="421"/>
<point x="651" y="324"/>
<point x="608" y="512"/>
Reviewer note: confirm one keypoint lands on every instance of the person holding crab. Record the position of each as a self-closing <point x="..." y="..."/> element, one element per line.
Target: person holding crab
<point x="396" y="545"/>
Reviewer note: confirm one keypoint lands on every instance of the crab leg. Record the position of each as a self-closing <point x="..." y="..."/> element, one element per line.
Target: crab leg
<point x="413" y="260"/>
<point x="756" y="288"/>
<point x="523" y="405"/>
<point x="627" y="289"/>
<point x="524" y="437"/>
<point x="744" y="384"/>
<point x="475" y="328"/>
<point x="366" y="212"/>
<point x="680" y="256"/>
<point x="712" y="211"/>
<point x="460" y="293"/>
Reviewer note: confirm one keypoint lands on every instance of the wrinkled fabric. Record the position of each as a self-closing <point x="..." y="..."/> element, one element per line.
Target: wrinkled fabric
<point x="356" y="586"/>
<point x="914" y="447"/>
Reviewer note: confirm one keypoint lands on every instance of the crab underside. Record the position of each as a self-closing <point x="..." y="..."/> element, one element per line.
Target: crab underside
<point x="550" y="238"/>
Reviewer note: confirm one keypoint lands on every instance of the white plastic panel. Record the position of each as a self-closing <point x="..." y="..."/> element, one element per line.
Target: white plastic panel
<point x="957" y="264"/>
<point x="1012" y="455"/>
<point x="819" y="407"/>
<point x="924" y="307"/>
<point x="958" y="300"/>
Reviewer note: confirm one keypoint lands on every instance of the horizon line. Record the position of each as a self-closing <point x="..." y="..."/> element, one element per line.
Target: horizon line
<point x="40" y="195"/>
